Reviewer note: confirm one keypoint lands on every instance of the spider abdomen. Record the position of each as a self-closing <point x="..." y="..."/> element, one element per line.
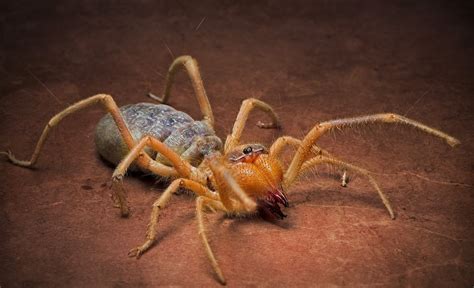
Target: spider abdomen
<point x="179" y="131"/>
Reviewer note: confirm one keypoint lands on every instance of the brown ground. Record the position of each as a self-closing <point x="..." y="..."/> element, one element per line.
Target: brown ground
<point x="312" y="62"/>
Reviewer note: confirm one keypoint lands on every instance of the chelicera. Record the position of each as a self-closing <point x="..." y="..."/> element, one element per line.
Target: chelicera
<point x="229" y="177"/>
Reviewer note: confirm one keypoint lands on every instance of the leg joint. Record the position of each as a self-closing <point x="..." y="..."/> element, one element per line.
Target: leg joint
<point x="391" y="117"/>
<point x="249" y="101"/>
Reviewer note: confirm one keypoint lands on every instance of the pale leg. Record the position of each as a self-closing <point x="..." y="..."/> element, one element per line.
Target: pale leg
<point x="340" y="164"/>
<point x="191" y="66"/>
<point x="201" y="204"/>
<point x="320" y="129"/>
<point x="247" y="106"/>
<point x="161" y="204"/>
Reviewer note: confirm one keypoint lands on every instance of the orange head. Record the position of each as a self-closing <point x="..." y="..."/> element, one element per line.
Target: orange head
<point x="259" y="175"/>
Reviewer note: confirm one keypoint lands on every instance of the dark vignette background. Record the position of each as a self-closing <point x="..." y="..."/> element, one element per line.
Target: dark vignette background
<point x="311" y="60"/>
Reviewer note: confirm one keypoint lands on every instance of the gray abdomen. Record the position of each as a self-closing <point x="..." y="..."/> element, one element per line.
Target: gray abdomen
<point x="190" y="139"/>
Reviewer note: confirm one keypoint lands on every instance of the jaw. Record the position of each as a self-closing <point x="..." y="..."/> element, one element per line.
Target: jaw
<point x="270" y="204"/>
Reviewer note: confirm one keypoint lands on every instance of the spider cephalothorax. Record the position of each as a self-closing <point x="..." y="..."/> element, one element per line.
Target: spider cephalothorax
<point x="231" y="178"/>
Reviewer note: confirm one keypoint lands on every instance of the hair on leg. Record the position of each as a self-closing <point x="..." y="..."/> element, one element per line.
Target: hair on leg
<point x="355" y="169"/>
<point x="201" y="204"/>
<point x="247" y="106"/>
<point x="106" y="100"/>
<point x="323" y="127"/>
<point x="161" y="203"/>
<point x="192" y="68"/>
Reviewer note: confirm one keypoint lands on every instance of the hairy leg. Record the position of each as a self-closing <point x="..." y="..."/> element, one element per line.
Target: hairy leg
<point x="160" y="204"/>
<point x="247" y="106"/>
<point x="191" y="66"/>
<point x="103" y="99"/>
<point x="282" y="142"/>
<point x="323" y="127"/>
<point x="340" y="164"/>
<point x="144" y="160"/>
<point x="180" y="167"/>
<point x="201" y="204"/>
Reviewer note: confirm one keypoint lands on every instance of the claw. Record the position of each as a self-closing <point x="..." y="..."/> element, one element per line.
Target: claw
<point x="135" y="252"/>
<point x="138" y="251"/>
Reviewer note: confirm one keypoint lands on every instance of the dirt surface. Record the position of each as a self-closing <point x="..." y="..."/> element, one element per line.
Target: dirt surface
<point x="312" y="61"/>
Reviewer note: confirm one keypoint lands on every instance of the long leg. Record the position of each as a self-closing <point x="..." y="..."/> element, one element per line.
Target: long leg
<point x="107" y="101"/>
<point x="284" y="141"/>
<point x="111" y="107"/>
<point x="201" y="204"/>
<point x="103" y="99"/>
<point x="161" y="203"/>
<point x="321" y="128"/>
<point x="332" y="161"/>
<point x="191" y="66"/>
<point x="180" y="167"/>
<point x="247" y="106"/>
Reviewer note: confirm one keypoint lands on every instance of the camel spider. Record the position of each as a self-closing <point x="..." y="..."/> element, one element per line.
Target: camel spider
<point x="231" y="178"/>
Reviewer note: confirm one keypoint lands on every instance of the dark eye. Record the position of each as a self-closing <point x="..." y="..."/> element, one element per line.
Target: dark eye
<point x="247" y="150"/>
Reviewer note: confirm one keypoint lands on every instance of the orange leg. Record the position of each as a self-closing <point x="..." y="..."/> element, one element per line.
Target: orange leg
<point x="340" y="164"/>
<point x="160" y="204"/>
<point x="320" y="129"/>
<point x="201" y="204"/>
<point x="247" y="106"/>
<point x="191" y="66"/>
<point x="282" y="142"/>
<point x="144" y="160"/>
<point x="109" y="104"/>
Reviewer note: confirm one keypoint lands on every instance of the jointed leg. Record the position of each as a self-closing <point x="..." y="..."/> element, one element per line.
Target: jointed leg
<point x="324" y="127"/>
<point x="247" y="106"/>
<point x="111" y="107"/>
<point x="192" y="68"/>
<point x="201" y="204"/>
<point x="104" y="99"/>
<point x="282" y="142"/>
<point x="144" y="161"/>
<point x="180" y="167"/>
<point x="161" y="203"/>
<point x="340" y="164"/>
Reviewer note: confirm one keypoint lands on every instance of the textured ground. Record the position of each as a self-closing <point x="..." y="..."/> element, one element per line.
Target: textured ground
<point x="312" y="61"/>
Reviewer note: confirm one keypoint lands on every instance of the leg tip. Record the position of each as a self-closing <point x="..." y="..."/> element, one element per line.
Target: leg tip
<point x="453" y="142"/>
<point x="125" y="213"/>
<point x="135" y="253"/>
<point x="222" y="280"/>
